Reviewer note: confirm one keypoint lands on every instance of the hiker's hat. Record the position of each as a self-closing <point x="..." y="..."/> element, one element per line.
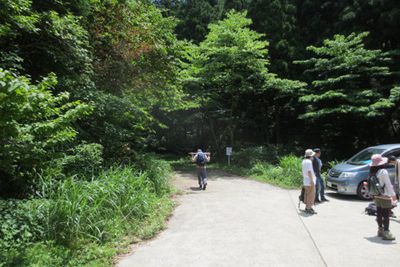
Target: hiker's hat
<point x="309" y="153"/>
<point x="378" y="160"/>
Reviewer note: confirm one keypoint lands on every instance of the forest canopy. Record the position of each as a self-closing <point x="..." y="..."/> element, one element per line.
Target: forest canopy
<point x="123" y="78"/>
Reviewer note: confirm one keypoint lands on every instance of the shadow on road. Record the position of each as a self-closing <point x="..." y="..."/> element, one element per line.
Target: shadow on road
<point x="193" y="188"/>
<point x="345" y="197"/>
<point x="395" y="220"/>
<point x="379" y="240"/>
<point x="303" y="213"/>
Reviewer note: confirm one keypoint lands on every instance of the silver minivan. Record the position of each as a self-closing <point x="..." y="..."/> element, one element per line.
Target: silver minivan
<point x="348" y="177"/>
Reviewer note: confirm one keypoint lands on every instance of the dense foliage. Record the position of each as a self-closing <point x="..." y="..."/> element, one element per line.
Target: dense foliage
<point x="89" y="84"/>
<point x="81" y="83"/>
<point x="116" y="62"/>
<point x="290" y="27"/>
<point x="351" y="88"/>
<point x="35" y="128"/>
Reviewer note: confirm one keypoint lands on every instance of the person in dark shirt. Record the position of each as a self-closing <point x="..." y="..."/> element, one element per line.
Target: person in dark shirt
<point x="320" y="186"/>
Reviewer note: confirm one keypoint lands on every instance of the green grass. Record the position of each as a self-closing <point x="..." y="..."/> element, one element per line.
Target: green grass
<point x="285" y="174"/>
<point x="86" y="223"/>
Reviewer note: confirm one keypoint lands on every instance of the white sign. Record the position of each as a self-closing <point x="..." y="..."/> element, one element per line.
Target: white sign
<point x="228" y="151"/>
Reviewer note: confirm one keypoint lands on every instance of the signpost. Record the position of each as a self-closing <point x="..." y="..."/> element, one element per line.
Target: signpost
<point x="229" y="153"/>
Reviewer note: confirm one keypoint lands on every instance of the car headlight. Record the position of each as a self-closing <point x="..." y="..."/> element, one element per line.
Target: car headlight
<point x="344" y="175"/>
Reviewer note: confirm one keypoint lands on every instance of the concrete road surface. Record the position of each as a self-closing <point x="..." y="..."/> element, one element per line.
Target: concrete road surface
<point x="240" y="222"/>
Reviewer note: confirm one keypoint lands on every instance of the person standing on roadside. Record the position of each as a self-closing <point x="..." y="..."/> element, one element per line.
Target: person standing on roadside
<point x="320" y="186"/>
<point x="309" y="180"/>
<point x="386" y="196"/>
<point x="396" y="163"/>
<point x="201" y="159"/>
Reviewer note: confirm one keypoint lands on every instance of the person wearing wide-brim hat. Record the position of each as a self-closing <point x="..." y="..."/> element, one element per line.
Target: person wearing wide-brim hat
<point x="309" y="180"/>
<point x="383" y="202"/>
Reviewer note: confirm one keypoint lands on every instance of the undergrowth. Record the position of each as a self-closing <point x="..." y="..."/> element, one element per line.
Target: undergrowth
<point x="85" y="223"/>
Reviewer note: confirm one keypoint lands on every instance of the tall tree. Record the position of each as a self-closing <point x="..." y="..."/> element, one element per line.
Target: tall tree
<point x="231" y="78"/>
<point x="277" y="20"/>
<point x="349" y="90"/>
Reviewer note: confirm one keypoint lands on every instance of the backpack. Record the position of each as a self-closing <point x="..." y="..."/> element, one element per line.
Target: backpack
<point x="201" y="159"/>
<point x="372" y="210"/>
<point x="374" y="188"/>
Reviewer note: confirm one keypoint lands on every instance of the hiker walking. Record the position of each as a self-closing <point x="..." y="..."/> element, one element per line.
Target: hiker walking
<point x="201" y="159"/>
<point x="309" y="180"/>
<point x="320" y="186"/>
<point x="384" y="194"/>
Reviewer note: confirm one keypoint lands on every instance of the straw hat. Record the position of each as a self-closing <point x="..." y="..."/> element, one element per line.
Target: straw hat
<point x="309" y="153"/>
<point x="378" y="160"/>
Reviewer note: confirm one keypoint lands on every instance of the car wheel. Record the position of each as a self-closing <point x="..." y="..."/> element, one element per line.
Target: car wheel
<point x="362" y="191"/>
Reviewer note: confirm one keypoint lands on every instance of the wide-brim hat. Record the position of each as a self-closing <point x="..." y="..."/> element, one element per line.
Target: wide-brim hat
<point x="309" y="153"/>
<point x="378" y="160"/>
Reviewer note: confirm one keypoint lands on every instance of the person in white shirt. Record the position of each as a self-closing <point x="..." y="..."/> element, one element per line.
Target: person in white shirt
<point x="309" y="180"/>
<point x="377" y="167"/>
<point x="392" y="160"/>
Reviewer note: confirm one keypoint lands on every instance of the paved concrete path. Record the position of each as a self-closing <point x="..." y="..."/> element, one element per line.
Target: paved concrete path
<point x="240" y="222"/>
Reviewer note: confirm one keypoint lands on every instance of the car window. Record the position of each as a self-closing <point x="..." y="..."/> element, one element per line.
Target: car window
<point x="395" y="153"/>
<point x="364" y="157"/>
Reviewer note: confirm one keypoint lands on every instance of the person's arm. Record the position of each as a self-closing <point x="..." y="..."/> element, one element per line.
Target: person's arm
<point x="311" y="174"/>
<point x="194" y="158"/>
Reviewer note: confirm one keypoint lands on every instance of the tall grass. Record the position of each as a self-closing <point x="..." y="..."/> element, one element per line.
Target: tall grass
<point x="78" y="222"/>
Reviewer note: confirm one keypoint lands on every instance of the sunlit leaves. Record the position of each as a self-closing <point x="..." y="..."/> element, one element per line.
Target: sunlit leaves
<point x="348" y="79"/>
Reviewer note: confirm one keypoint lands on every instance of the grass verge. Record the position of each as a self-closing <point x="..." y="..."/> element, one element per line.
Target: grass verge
<point x="285" y="174"/>
<point x="85" y="223"/>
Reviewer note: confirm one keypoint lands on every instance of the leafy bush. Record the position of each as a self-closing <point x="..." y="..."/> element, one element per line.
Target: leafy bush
<point x="83" y="160"/>
<point x="20" y="227"/>
<point x="248" y="157"/>
<point x="287" y="173"/>
<point x="34" y="126"/>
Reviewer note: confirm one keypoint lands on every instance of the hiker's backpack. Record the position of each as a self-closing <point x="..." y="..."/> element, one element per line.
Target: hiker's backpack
<point x="201" y="159"/>
<point x="372" y="210"/>
<point x="374" y="188"/>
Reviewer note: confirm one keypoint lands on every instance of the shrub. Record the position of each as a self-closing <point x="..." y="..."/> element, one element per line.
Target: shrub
<point x="20" y="227"/>
<point x="84" y="160"/>
<point x="34" y="127"/>
<point x="287" y="173"/>
<point x="248" y="157"/>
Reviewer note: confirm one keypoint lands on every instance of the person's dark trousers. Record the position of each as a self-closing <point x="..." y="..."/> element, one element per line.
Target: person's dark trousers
<point x="320" y="189"/>
<point x="202" y="175"/>
<point x="382" y="218"/>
